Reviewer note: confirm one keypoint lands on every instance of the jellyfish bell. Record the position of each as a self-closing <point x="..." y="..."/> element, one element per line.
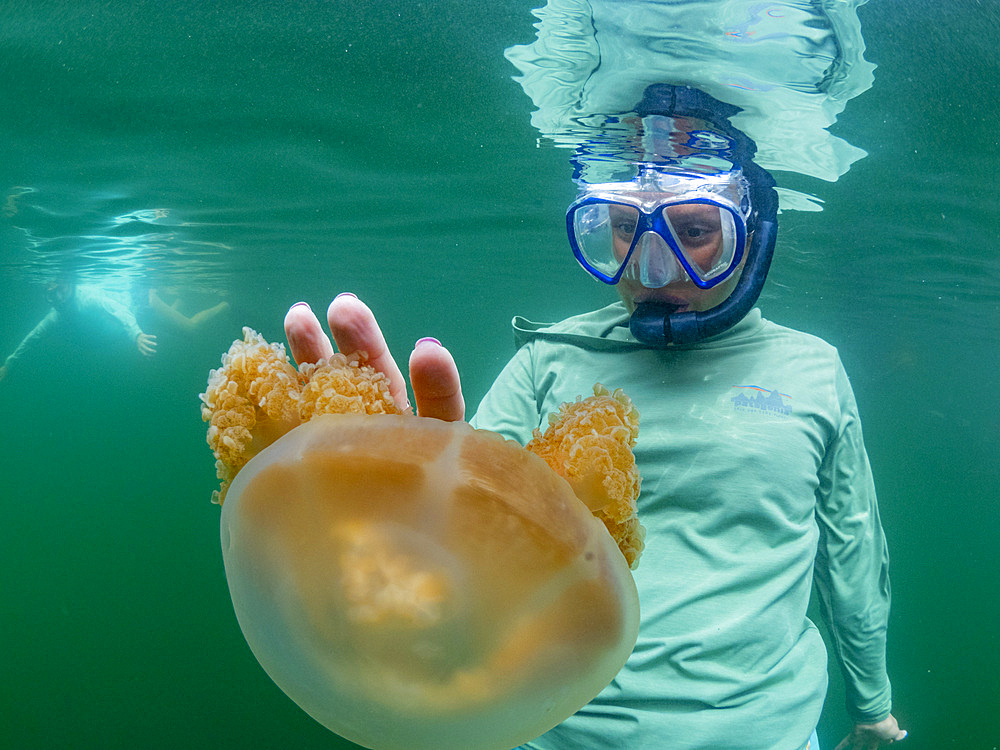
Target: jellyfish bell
<point x="412" y="583"/>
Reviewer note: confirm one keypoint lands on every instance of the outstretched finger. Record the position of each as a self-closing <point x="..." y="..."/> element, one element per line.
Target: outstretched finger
<point x="306" y="339"/>
<point x="437" y="388"/>
<point x="356" y="331"/>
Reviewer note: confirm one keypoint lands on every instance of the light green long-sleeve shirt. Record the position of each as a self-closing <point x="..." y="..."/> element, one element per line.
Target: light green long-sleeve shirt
<point x="754" y="480"/>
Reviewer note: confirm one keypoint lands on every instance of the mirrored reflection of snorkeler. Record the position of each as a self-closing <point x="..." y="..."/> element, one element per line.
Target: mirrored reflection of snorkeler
<point x="73" y="304"/>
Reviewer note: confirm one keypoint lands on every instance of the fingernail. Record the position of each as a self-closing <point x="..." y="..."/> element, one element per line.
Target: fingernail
<point x="302" y="304"/>
<point x="425" y="340"/>
<point x="346" y="294"/>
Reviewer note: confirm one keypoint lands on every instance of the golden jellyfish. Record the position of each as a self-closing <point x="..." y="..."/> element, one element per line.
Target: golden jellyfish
<point x="412" y="583"/>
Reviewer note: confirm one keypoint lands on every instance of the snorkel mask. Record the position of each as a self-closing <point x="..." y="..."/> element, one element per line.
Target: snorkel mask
<point x="698" y="208"/>
<point x="662" y="227"/>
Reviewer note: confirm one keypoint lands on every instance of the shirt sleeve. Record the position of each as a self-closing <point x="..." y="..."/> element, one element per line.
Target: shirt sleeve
<point x="852" y="564"/>
<point x="33" y="339"/>
<point x="115" y="308"/>
<point x="511" y="406"/>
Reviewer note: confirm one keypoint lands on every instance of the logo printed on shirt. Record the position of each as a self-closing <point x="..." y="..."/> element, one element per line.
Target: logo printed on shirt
<point x="754" y="399"/>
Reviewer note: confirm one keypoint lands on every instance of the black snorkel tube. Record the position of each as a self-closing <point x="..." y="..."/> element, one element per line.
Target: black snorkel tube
<point x="656" y="323"/>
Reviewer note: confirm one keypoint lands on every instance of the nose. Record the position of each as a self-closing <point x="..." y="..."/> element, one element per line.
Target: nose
<point x="655" y="262"/>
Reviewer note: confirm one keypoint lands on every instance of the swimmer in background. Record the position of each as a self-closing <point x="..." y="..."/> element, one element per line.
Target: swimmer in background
<point x="73" y="304"/>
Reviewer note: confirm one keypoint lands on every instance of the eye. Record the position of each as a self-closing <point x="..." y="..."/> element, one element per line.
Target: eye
<point x="695" y="225"/>
<point x="623" y="222"/>
<point x="624" y="226"/>
<point x="697" y="234"/>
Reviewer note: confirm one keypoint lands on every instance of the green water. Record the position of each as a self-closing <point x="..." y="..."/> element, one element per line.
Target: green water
<point x="306" y="148"/>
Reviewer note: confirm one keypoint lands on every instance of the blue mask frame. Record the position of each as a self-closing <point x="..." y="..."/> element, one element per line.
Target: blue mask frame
<point x="653" y="221"/>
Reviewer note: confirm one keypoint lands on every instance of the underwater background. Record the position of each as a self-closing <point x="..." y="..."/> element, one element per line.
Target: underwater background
<point x="263" y="153"/>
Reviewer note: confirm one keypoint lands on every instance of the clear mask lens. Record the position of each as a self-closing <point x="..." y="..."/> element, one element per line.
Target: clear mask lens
<point x="705" y="234"/>
<point x="603" y="248"/>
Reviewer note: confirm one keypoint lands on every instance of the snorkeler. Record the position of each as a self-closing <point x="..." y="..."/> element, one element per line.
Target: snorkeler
<point x="73" y="304"/>
<point x="756" y="483"/>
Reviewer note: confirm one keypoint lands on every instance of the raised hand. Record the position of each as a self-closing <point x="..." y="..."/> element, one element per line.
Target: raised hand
<point x="437" y="388"/>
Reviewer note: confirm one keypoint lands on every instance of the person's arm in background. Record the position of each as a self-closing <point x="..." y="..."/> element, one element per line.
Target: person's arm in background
<point x="95" y="297"/>
<point x="173" y="314"/>
<point x="29" y="342"/>
<point x="852" y="577"/>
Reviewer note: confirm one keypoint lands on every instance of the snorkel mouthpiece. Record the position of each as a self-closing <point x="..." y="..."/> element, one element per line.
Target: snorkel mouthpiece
<point x="659" y="324"/>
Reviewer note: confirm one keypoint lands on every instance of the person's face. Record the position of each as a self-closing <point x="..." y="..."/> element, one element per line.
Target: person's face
<point x="58" y="294"/>
<point x="699" y="230"/>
